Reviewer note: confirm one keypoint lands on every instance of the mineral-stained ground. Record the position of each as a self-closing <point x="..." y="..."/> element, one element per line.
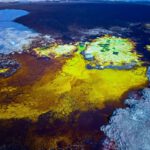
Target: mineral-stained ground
<point x="54" y="97"/>
<point x="57" y="95"/>
<point x="67" y="84"/>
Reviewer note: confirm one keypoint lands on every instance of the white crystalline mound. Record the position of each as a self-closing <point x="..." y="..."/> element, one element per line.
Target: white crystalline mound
<point x="14" y="36"/>
<point x="12" y="39"/>
<point x="130" y="127"/>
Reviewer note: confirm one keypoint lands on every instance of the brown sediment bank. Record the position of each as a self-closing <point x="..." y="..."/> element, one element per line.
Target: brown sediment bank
<point x="80" y="129"/>
<point x="32" y="69"/>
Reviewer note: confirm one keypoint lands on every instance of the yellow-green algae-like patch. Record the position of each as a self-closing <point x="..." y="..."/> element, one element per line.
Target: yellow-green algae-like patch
<point x="112" y="51"/>
<point x="103" y="52"/>
<point x="81" y="47"/>
<point x="55" y="50"/>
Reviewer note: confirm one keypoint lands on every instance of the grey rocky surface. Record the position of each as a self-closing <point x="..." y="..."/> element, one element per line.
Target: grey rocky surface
<point x="129" y="128"/>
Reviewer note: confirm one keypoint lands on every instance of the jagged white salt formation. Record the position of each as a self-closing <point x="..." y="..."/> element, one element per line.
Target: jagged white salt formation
<point x="130" y="128"/>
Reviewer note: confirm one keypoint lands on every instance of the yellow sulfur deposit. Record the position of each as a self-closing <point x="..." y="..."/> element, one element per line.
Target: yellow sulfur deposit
<point x="55" y="50"/>
<point x="4" y="70"/>
<point x="71" y="88"/>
